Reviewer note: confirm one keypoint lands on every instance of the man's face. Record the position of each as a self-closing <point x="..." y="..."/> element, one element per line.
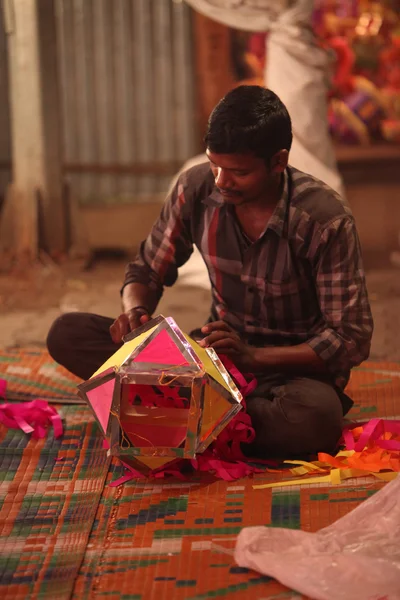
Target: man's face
<point x="240" y="178"/>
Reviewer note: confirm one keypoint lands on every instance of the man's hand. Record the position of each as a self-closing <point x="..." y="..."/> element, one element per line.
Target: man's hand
<point x="127" y="322"/>
<point x="225" y="340"/>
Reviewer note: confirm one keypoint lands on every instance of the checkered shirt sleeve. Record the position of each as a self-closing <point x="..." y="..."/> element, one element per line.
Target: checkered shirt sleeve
<point x="342" y="295"/>
<point x="168" y="246"/>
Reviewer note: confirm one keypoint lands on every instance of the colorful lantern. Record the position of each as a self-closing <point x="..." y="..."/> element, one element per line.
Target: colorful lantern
<point x="161" y="396"/>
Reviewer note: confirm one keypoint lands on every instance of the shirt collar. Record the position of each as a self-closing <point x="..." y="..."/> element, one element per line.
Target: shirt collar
<point x="214" y="198"/>
<point x="278" y="218"/>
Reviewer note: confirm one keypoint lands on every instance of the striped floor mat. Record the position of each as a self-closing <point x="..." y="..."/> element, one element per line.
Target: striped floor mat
<point x="64" y="529"/>
<point x="31" y="373"/>
<point x="49" y="493"/>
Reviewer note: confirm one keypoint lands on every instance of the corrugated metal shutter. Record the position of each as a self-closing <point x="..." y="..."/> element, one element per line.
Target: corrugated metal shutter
<point x="126" y="76"/>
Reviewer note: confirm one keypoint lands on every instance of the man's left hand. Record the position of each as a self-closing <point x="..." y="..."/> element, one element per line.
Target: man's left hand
<point x="224" y="340"/>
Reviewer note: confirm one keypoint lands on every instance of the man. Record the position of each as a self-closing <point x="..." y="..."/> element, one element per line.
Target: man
<point x="289" y="301"/>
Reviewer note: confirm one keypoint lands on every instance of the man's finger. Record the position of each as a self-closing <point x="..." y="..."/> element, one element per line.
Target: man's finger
<point x="218" y="335"/>
<point x="216" y="326"/>
<point x="228" y="345"/>
<point x="123" y="323"/>
<point x="133" y="321"/>
<point x="136" y="319"/>
<point x="113" y="333"/>
<point x="119" y="328"/>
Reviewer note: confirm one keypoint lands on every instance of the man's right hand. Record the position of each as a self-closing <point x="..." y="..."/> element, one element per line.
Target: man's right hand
<point x="127" y="322"/>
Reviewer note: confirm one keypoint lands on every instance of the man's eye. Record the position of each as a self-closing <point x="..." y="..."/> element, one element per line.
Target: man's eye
<point x="241" y="173"/>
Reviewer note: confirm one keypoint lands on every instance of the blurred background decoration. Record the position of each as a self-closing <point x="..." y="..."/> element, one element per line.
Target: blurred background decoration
<point x="363" y="40"/>
<point x="365" y="96"/>
<point x="102" y="102"/>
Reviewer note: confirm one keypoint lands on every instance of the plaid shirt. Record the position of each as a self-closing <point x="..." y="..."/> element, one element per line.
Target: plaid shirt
<point x="301" y="281"/>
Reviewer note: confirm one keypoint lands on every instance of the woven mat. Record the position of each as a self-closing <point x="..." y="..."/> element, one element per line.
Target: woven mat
<point x="49" y="494"/>
<point x="31" y="373"/>
<point x="174" y="540"/>
<point x="153" y="539"/>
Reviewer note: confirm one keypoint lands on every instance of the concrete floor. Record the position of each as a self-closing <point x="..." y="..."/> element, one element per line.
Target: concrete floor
<point x="29" y="304"/>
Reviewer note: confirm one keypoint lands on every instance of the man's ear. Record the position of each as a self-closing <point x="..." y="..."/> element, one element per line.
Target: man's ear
<point x="279" y="161"/>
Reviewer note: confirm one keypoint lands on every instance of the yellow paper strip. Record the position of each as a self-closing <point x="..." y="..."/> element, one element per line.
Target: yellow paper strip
<point x="299" y="471"/>
<point x="389" y="476"/>
<point x="346" y="453"/>
<point x="324" y="479"/>
<point x="335" y="477"/>
<point x="308" y="465"/>
<point x="350" y="473"/>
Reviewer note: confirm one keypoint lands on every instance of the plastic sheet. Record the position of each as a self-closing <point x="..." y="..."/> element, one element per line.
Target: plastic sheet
<point x="355" y="558"/>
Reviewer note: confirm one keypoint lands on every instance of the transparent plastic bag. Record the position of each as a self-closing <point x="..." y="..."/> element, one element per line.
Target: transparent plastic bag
<point x="355" y="558"/>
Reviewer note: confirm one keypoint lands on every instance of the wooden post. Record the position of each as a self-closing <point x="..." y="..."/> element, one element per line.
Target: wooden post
<point x="34" y="217"/>
<point x="214" y="73"/>
<point x="53" y="210"/>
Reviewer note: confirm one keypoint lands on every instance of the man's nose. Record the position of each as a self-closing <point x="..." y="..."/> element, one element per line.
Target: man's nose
<point x="222" y="178"/>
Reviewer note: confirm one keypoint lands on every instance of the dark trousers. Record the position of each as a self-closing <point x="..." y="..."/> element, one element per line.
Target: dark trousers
<point x="291" y="415"/>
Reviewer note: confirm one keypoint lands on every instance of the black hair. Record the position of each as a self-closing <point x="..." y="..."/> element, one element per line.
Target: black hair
<point x="249" y="119"/>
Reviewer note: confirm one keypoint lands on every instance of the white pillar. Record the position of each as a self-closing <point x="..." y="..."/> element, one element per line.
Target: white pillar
<point x="36" y="187"/>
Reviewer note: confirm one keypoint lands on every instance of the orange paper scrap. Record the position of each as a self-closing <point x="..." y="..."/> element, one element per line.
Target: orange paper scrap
<point x="371" y="449"/>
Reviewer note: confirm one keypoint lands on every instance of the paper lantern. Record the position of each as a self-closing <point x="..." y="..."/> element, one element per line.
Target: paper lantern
<point x="161" y="396"/>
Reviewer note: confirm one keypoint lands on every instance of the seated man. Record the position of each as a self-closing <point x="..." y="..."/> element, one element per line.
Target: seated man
<point x="289" y="301"/>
